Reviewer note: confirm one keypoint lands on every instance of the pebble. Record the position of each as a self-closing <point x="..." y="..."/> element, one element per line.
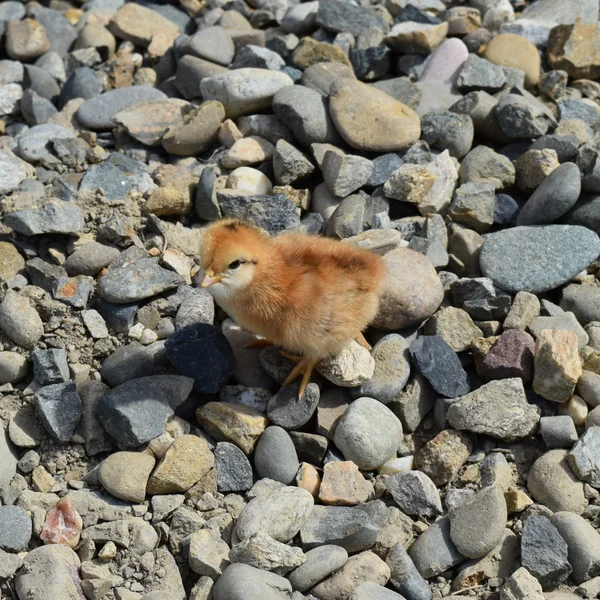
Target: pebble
<point x="415" y="493"/>
<point x="234" y="472"/>
<point x="552" y="483"/>
<point x="446" y="61"/>
<point x="320" y="563"/>
<point x="482" y="163"/>
<point x="410" y="37"/>
<point x="243" y="582"/>
<point x="480" y="74"/>
<point x="512" y="355"/>
<point x="544" y="553"/>
<point x="445" y="130"/>
<point x="584" y="457"/>
<point x="498" y="408"/>
<point x="583" y="543"/>
<point x="477" y="525"/>
<point x="290" y="412"/>
<point x="523" y="117"/>
<point x="558" y="432"/>
<point x="15" y="529"/>
<point x="537" y="259"/>
<point x="208" y="553"/>
<point x="90" y="259"/>
<point x="26" y="40"/>
<point x="442" y="457"/>
<point x="279" y="513"/>
<point x="140" y="25"/>
<point x="213" y="44"/>
<point x="125" y="475"/>
<point x="557" y="364"/>
<point x="59" y="409"/>
<point x="583" y="301"/>
<point x="275" y="456"/>
<point x="13" y="367"/>
<point x="511" y="50"/>
<point x="356" y="109"/>
<point x="267" y="554"/>
<point x="351" y="367"/>
<point x="575" y="408"/>
<point x="368" y="433"/>
<point x="588" y="387"/>
<point x="125" y="363"/>
<point x="343" y="485"/>
<point x="474" y="205"/>
<point x="155" y="396"/>
<point x="99" y="112"/>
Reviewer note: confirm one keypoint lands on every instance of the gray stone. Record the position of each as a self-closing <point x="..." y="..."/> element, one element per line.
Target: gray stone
<point x="558" y="432"/>
<point x="140" y="280"/>
<point x="35" y="109"/>
<point x="347" y="220"/>
<point x="257" y="57"/>
<point x="583" y="543"/>
<point x="404" y="575"/>
<point x="584" y="458"/>
<point x="74" y="291"/>
<point x="98" y="112"/>
<point x="347" y="526"/>
<point x="373" y="591"/>
<point x="243" y="582"/>
<point x="553" y="197"/>
<point x="583" y="301"/>
<point x="138" y="410"/>
<point x="275" y="456"/>
<point x="127" y="362"/>
<point x="477" y="525"/>
<point x="566" y="321"/>
<point x="90" y="259"/>
<point x="197" y="307"/>
<point x="474" y="205"/>
<point x="234" y="472"/>
<point x="8" y="459"/>
<point x="523" y="117"/>
<point x="572" y="108"/>
<point x="279" y="512"/>
<point x="445" y="130"/>
<point x="50" y="366"/>
<point x="305" y="112"/>
<point x="482" y="163"/>
<point x="53" y="216"/>
<point x="345" y="173"/>
<point x="415" y="494"/>
<point x="556" y="12"/>
<point x="338" y="16"/>
<point x="44" y="274"/>
<point x="392" y="369"/>
<point x="59" y="409"/>
<point x="290" y="412"/>
<point x="82" y="83"/>
<point x="434" y="552"/>
<point x="479" y="74"/>
<point x="544" y="553"/>
<point x="112" y="181"/>
<point x="537" y="259"/>
<point x="320" y="76"/>
<point x="478" y="297"/>
<point x="413" y="402"/>
<point x="588" y="387"/>
<point x="213" y="44"/>
<point x="94" y="323"/>
<point x="498" y="408"/>
<point x="15" y="529"/>
<point x="14" y="171"/>
<point x="320" y="563"/>
<point x="289" y="164"/>
<point x="368" y="433"/>
<point x="9" y="564"/>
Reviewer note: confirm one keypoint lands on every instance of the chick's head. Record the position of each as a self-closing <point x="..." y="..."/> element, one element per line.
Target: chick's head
<point x="229" y="254"/>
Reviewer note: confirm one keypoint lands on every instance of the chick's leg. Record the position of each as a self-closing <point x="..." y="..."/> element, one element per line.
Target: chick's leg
<point x="361" y="340"/>
<point x="261" y="343"/>
<point x="305" y="368"/>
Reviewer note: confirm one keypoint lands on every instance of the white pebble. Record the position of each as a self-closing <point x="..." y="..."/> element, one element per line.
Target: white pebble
<point x="397" y="465"/>
<point x="249" y="181"/>
<point x="148" y="336"/>
<point x="136" y="331"/>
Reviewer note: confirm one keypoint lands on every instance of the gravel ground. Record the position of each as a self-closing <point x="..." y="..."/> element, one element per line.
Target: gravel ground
<point x="147" y="454"/>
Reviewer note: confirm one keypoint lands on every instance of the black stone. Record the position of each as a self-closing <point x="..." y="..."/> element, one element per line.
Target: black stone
<point x="310" y="447"/>
<point x="127" y="362"/>
<point x="440" y="365"/>
<point x="370" y="63"/>
<point x="480" y="298"/>
<point x="202" y="352"/>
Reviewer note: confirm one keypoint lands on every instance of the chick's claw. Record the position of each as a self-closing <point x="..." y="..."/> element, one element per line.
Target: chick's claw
<point x="305" y="368"/>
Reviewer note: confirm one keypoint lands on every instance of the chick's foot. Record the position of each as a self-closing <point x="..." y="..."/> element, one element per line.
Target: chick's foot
<point x="261" y="343"/>
<point x="304" y="367"/>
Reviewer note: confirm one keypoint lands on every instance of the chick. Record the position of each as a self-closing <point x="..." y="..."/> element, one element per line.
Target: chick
<point x="307" y="294"/>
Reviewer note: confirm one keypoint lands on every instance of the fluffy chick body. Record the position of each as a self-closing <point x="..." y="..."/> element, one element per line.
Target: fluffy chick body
<point x="308" y="294"/>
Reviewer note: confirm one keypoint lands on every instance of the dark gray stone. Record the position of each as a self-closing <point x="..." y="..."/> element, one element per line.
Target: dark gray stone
<point x="50" y="366"/>
<point x="480" y="298"/>
<point x="440" y="365"/>
<point x="306" y="113"/>
<point x="320" y="563"/>
<point x="522" y="117"/>
<point x="405" y="578"/>
<point x="41" y="82"/>
<point x="115" y="184"/>
<point x="234" y="472"/>
<point x="505" y="209"/>
<point x="127" y="362"/>
<point x="537" y="259"/>
<point x="59" y="408"/>
<point x="415" y="494"/>
<point x="349" y="217"/>
<point x="82" y="83"/>
<point x="479" y="74"/>
<point x="556" y="195"/>
<point x="383" y="167"/>
<point x="15" y="529"/>
<point x="98" y="112"/>
<point x="202" y="352"/>
<point x="289" y="164"/>
<point x="347" y="526"/>
<point x="370" y="63"/>
<point x="275" y="456"/>
<point x="138" y="410"/>
<point x="565" y="146"/>
<point x="74" y="291"/>
<point x="56" y="216"/>
<point x="257" y="57"/>
<point x="445" y="130"/>
<point x="338" y="16"/>
<point x="205" y="203"/>
<point x="35" y="109"/>
<point x="544" y="553"/>
<point x="44" y="274"/>
<point x="584" y="458"/>
<point x="310" y="447"/>
<point x="290" y="412"/>
<point x="583" y="301"/>
<point x="118" y="316"/>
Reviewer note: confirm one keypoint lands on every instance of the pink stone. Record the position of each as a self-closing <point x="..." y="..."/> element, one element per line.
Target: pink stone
<point x="446" y="61"/>
<point x="63" y="524"/>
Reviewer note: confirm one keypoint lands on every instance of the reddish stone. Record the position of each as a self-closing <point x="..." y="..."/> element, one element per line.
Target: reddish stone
<point x="511" y="356"/>
<point x="63" y="524"/>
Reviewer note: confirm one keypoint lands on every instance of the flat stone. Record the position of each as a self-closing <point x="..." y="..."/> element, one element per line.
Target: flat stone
<point x="90" y="259"/>
<point x="480" y="298"/>
<point x="567" y="321"/>
<point x="584" y="458"/>
<point x="356" y="110"/>
<point x="415" y="494"/>
<point x="413" y="290"/>
<point x="213" y="44"/>
<point x="498" y="408"/>
<point x="320" y="562"/>
<point x="477" y="525"/>
<point x="368" y="433"/>
<point x="15" y="528"/>
<point x="440" y="365"/>
<point x="242" y="582"/>
<point x="53" y="216"/>
<point x="553" y="12"/>
<point x="348" y="527"/>
<point x="552" y="483"/>
<point x="125" y="363"/>
<point x="50" y="366"/>
<point x="98" y="112"/>
<point x="139" y="25"/>
<point x="125" y="475"/>
<point x="537" y="259"/>
<point x="59" y="409"/>
<point x="336" y="16"/>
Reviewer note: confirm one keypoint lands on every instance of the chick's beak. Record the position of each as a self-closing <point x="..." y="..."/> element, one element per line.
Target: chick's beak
<point x="210" y="278"/>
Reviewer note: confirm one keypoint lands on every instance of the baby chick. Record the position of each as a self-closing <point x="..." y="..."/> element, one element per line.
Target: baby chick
<point x="308" y="294"/>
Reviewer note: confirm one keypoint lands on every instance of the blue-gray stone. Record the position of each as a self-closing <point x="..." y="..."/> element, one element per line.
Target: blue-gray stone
<point x="383" y="167"/>
<point x="338" y="16"/>
<point x="243" y="582"/>
<point x="98" y="112"/>
<point x="557" y="194"/>
<point x="59" y="408"/>
<point x="586" y="213"/>
<point x="440" y="365"/>
<point x="109" y="178"/>
<point x="202" y="352"/>
<point x="505" y="209"/>
<point x="405" y="578"/>
<point x="15" y="528"/>
<point x="138" y="410"/>
<point x="82" y="83"/>
<point x="320" y="563"/>
<point x="370" y="63"/>
<point x="127" y="362"/>
<point x="572" y="108"/>
<point x="539" y="258"/>
<point x="118" y="316"/>
<point x="234" y="472"/>
<point x="50" y="366"/>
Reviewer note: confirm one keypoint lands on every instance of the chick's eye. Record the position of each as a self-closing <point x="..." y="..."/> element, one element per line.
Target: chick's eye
<point x="236" y="264"/>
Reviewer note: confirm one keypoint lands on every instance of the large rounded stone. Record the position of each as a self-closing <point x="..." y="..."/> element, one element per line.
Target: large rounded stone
<point x="125" y="475"/>
<point x="13" y="367"/>
<point x="512" y="50"/>
<point x="368" y="433"/>
<point x="243" y="582"/>
<point x="369" y="119"/>
<point x="275" y="455"/>
<point x="413" y="290"/>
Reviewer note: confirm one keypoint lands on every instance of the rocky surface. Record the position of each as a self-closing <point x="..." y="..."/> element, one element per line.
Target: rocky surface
<point x="147" y="452"/>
